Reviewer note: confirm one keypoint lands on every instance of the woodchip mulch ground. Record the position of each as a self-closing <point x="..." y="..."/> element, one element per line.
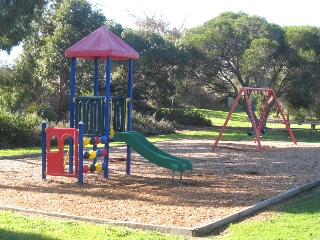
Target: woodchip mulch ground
<point x="231" y="178"/>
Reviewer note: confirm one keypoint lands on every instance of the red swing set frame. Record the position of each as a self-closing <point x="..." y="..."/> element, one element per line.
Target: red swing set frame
<point x="244" y="91"/>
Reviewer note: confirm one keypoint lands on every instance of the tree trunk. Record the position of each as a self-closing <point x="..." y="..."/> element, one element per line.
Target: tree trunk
<point x="64" y="74"/>
<point x="60" y="108"/>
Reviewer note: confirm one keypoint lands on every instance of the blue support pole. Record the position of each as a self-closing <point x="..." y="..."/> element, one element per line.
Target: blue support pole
<point x="107" y="114"/>
<point x="130" y="87"/>
<point x="96" y="76"/>
<point x="95" y="92"/>
<point x="72" y="89"/>
<point x="72" y="94"/>
<point x="71" y="154"/>
<point x="129" y="113"/>
<point x="44" y="149"/>
<point x="80" y="155"/>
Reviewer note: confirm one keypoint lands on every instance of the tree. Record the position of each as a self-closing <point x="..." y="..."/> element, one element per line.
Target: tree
<point x="153" y="77"/>
<point x="304" y="50"/>
<point x="6" y="98"/>
<point x="156" y="72"/>
<point x="158" y="25"/>
<point x="235" y="50"/>
<point x="15" y="18"/>
<point x="69" y="21"/>
<point x="303" y="100"/>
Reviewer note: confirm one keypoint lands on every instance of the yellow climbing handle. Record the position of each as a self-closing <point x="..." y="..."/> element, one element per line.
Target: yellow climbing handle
<point x="111" y="134"/>
<point x="126" y="114"/>
<point x="66" y="160"/>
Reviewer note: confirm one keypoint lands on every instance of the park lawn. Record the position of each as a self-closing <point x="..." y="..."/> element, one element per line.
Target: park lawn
<point x="17" y="226"/>
<point x="19" y="151"/>
<point x="295" y="218"/>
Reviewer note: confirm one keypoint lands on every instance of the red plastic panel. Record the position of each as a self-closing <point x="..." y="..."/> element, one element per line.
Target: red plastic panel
<point x="55" y="159"/>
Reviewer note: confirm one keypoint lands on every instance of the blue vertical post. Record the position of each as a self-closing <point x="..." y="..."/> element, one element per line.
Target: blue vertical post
<point x="107" y="114"/>
<point x="72" y="89"/>
<point x="95" y="91"/>
<point x="80" y="154"/>
<point x="44" y="148"/>
<point x="96" y="76"/>
<point x="129" y="113"/>
<point x="72" y="94"/>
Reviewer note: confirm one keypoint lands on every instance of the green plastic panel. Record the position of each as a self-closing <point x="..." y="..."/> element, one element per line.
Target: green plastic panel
<point x="91" y="111"/>
<point x="119" y="113"/>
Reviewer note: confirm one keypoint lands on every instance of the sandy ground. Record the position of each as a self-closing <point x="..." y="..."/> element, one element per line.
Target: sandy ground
<point x="223" y="182"/>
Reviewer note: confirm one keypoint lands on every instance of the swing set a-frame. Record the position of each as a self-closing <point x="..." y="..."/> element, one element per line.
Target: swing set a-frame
<point x="257" y="128"/>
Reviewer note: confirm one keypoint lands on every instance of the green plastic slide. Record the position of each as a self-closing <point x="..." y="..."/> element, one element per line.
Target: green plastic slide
<point x="152" y="153"/>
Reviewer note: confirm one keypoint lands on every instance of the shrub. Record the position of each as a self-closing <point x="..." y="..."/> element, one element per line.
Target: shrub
<point x="183" y="117"/>
<point x="148" y="125"/>
<point x="144" y="109"/>
<point x="299" y="114"/>
<point x="19" y="130"/>
<point x="60" y="124"/>
<point x="45" y="111"/>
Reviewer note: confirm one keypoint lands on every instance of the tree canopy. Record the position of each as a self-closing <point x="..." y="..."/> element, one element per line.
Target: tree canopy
<point x="15" y="18"/>
<point x="66" y="23"/>
<point x="230" y="51"/>
<point x="236" y="50"/>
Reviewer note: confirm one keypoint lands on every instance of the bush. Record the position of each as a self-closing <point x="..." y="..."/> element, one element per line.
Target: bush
<point x="148" y="125"/>
<point x="60" y="124"/>
<point x="45" y="111"/>
<point x="144" y="109"/>
<point x="183" y="117"/>
<point x="299" y="114"/>
<point x="19" y="130"/>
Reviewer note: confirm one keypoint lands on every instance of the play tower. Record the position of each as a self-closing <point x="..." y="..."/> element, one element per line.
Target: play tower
<point x="100" y="118"/>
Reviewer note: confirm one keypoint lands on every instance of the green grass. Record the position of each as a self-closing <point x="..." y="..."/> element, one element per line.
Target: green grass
<point x="17" y="226"/>
<point x="19" y="151"/>
<point x="218" y="117"/>
<point x="296" y="218"/>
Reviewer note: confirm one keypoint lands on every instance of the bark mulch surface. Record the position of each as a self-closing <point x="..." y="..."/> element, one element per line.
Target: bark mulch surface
<point x="231" y="178"/>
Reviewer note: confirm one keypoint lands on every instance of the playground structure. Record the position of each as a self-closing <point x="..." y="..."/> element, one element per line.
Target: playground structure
<point x="100" y="119"/>
<point x="257" y="128"/>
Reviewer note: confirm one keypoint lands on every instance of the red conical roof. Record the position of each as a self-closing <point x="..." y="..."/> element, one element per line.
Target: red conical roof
<point x="102" y="43"/>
